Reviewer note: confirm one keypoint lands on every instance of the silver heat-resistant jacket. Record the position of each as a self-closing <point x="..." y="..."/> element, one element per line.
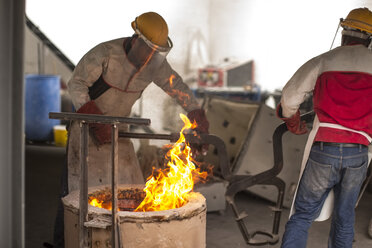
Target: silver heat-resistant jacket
<point x="126" y="83"/>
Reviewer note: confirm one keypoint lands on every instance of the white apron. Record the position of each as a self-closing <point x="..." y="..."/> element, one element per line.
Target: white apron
<point x="328" y="203"/>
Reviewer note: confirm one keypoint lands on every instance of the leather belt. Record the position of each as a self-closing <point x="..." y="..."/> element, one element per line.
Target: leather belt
<point x="319" y="143"/>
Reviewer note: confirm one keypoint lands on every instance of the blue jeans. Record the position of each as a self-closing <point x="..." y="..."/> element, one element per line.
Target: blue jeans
<point x="342" y="169"/>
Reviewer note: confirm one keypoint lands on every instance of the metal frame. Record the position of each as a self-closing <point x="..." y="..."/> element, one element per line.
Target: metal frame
<point x="84" y="120"/>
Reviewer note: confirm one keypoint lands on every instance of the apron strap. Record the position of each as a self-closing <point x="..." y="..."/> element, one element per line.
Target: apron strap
<point x="337" y="126"/>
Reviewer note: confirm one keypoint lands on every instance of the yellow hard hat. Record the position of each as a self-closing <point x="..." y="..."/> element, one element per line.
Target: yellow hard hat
<point x="153" y="27"/>
<point x="360" y="18"/>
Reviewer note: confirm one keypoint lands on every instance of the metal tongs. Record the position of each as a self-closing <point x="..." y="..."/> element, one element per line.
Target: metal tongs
<point x="238" y="183"/>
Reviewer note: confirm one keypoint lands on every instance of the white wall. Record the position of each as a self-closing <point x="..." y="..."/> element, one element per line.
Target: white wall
<point x="76" y="26"/>
<point x="278" y="35"/>
<point x="35" y="52"/>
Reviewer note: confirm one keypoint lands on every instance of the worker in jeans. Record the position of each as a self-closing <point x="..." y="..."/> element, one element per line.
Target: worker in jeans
<point x="336" y="154"/>
<point x="107" y="81"/>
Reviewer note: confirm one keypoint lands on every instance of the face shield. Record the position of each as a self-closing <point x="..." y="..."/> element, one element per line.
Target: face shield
<point x="145" y="53"/>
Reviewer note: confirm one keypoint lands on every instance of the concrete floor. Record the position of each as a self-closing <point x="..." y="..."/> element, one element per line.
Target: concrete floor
<point x="222" y="230"/>
<point x="43" y="172"/>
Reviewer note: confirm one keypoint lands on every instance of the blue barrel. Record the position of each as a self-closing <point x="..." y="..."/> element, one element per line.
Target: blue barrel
<point x="42" y="96"/>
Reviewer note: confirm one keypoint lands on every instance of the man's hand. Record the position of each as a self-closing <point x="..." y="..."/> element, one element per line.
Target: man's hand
<point x="198" y="116"/>
<point x="294" y="123"/>
<point x="101" y="132"/>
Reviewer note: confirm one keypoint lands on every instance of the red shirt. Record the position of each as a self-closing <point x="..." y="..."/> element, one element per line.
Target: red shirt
<point x="344" y="98"/>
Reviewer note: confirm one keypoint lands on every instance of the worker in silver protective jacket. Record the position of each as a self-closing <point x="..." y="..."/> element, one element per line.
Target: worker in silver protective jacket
<point x="107" y="81"/>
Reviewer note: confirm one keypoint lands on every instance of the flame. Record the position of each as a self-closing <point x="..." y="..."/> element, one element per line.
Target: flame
<point x="96" y="203"/>
<point x="171" y="187"/>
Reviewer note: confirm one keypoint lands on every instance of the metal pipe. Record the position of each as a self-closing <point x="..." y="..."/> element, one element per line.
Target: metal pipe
<point x="171" y="137"/>
<point x="89" y="118"/>
<point x="12" y="175"/>
<point x="114" y="180"/>
<point x="83" y="197"/>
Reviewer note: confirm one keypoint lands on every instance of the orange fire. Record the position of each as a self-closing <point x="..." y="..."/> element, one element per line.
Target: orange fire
<point x="96" y="203"/>
<point x="171" y="187"/>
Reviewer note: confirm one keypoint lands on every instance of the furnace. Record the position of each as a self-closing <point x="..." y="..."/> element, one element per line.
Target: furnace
<point x="183" y="227"/>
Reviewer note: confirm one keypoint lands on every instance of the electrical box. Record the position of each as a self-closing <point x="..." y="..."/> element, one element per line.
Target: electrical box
<point x="227" y="76"/>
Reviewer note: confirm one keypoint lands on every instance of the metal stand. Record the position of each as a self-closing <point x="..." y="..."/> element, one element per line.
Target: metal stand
<point x="84" y="120"/>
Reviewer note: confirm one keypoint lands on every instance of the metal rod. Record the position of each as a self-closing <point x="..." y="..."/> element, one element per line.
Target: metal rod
<point x="114" y="189"/>
<point x="280" y="185"/>
<point x="98" y="118"/>
<point x="171" y="137"/>
<point x="83" y="203"/>
<point x="334" y="37"/>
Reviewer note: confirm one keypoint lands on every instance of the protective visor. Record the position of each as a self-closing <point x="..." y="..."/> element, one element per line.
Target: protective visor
<point x="145" y="53"/>
<point x="158" y="48"/>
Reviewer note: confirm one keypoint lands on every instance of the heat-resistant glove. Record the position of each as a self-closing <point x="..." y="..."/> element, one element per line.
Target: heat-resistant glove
<point x="101" y="132"/>
<point x="198" y="116"/>
<point x="293" y="123"/>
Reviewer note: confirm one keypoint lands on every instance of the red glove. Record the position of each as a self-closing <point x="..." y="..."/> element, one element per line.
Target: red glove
<point x="101" y="132"/>
<point x="198" y="116"/>
<point x="294" y="123"/>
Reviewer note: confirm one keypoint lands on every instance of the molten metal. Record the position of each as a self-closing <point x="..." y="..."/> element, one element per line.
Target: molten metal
<point x="128" y="199"/>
